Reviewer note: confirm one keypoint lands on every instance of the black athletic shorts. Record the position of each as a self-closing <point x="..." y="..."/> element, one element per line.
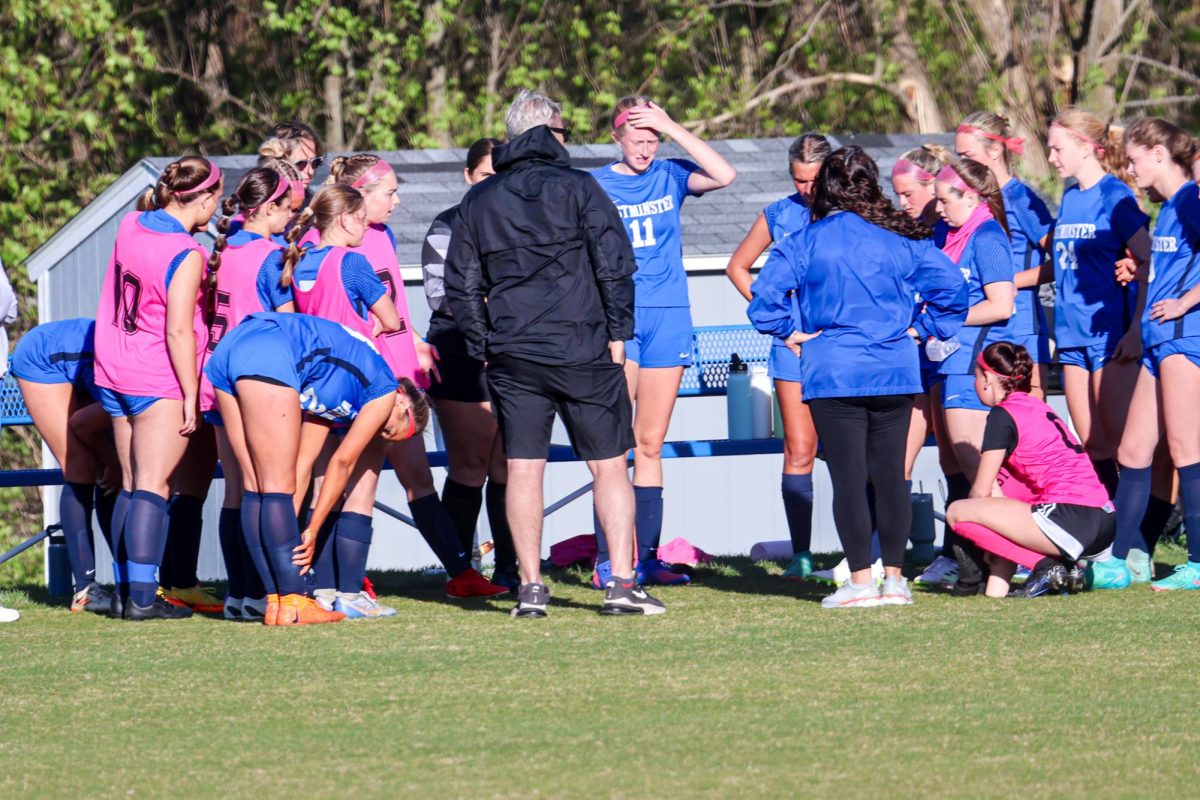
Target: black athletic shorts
<point x="1078" y="531"/>
<point x="592" y="399"/>
<point x="462" y="376"/>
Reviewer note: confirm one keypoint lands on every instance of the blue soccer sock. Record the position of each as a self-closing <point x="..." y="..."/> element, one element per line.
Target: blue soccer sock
<point x="105" y="503"/>
<point x="185" y="522"/>
<point x="353" y="537"/>
<point x="435" y="527"/>
<point x="1189" y="493"/>
<point x="75" y="516"/>
<point x="797" y="491"/>
<point x="229" y="530"/>
<point x="119" y="516"/>
<point x="496" y="498"/>
<point x="1132" y="498"/>
<point x="144" y="540"/>
<point x="648" y="520"/>
<point x="323" y="575"/>
<point x="280" y="532"/>
<point x="252" y="531"/>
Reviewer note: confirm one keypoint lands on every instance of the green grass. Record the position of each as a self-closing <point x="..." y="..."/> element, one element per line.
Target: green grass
<point x="746" y="687"/>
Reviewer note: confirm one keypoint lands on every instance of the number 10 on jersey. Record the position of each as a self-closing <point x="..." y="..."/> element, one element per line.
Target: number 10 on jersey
<point x="642" y="232"/>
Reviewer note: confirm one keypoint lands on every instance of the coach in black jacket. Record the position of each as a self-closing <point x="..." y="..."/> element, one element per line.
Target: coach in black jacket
<point x="539" y="276"/>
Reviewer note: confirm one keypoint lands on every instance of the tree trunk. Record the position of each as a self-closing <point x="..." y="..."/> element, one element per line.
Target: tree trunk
<point x="920" y="102"/>
<point x="335" y="136"/>
<point x="436" y="101"/>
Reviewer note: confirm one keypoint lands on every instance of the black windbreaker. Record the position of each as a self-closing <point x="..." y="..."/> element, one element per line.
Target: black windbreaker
<point x="539" y="265"/>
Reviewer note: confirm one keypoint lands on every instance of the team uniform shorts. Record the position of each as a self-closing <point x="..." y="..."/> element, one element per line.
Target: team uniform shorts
<point x="662" y="337"/>
<point x="958" y="391"/>
<point x="462" y="376"/>
<point x="119" y="404"/>
<point x="1092" y="357"/>
<point x="257" y="350"/>
<point x="1037" y="345"/>
<point x="1078" y="531"/>
<point x="1189" y="347"/>
<point x="592" y="399"/>
<point x="39" y="359"/>
<point x="783" y="364"/>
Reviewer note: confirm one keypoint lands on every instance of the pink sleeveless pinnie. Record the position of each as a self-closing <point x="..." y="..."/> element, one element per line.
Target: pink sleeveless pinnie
<point x="1049" y="461"/>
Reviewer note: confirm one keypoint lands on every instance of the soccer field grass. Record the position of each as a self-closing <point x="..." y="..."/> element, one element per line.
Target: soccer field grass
<point x="745" y="688"/>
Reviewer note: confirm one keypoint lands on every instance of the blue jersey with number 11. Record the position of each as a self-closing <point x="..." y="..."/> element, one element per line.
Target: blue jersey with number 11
<point x="1093" y="227"/>
<point x="649" y="206"/>
<point x="1173" y="269"/>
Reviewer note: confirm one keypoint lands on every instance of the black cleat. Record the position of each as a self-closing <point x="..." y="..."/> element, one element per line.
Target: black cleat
<point x="92" y="598"/>
<point x="159" y="609"/>
<point x="116" y="609"/>
<point x="1049" y="577"/>
<point x="972" y="572"/>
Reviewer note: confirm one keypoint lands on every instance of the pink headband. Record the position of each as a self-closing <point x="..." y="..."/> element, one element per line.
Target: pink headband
<point x="905" y="167"/>
<point x="1015" y="144"/>
<point x="297" y="188"/>
<point x="214" y="175"/>
<point x="1099" y="148"/>
<point x="949" y="176"/>
<point x="623" y="117"/>
<point x="283" y="186"/>
<point x="377" y="172"/>
<point x="983" y="365"/>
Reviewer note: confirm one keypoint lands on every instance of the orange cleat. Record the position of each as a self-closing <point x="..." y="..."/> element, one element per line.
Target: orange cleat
<point x="299" y="609"/>
<point x="271" y="617"/>
<point x="198" y="598"/>
<point x="471" y="584"/>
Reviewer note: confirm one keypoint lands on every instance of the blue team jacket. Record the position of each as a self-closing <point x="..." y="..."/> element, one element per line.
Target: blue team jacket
<point x="855" y="283"/>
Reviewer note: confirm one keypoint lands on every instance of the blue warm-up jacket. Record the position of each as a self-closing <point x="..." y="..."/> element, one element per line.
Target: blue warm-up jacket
<point x="856" y="284"/>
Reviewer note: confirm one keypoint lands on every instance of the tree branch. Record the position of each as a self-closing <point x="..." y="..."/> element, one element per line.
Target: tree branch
<point x="215" y="92"/>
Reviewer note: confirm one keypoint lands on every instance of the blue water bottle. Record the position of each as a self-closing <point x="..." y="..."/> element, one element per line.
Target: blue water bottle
<point x="922" y="534"/>
<point x="737" y="399"/>
<point x="58" y="564"/>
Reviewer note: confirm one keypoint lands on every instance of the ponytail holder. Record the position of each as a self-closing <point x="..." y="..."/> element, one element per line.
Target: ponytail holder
<point x="904" y="167"/>
<point x="214" y="175"/>
<point x="1014" y="144"/>
<point x="623" y="117"/>
<point x="950" y="176"/>
<point x="377" y="172"/>
<point x="278" y="193"/>
<point x="983" y="365"/>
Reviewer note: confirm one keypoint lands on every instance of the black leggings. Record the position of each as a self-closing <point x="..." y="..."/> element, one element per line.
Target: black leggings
<point x="864" y="439"/>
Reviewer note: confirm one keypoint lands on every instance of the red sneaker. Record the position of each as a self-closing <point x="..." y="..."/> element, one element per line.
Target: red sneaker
<point x="471" y="584"/>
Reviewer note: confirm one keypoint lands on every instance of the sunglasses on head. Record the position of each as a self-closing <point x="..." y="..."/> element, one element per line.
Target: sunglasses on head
<point x="305" y="163"/>
<point x="563" y="132"/>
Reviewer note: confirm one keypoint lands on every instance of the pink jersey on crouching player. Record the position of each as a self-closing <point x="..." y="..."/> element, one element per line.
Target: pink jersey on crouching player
<point x="131" y="320"/>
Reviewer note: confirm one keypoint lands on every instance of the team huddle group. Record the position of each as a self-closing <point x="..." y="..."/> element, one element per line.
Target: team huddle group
<point x="288" y="352"/>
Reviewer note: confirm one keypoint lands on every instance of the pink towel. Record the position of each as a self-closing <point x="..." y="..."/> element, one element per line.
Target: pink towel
<point x="680" y="551"/>
<point x="576" y="550"/>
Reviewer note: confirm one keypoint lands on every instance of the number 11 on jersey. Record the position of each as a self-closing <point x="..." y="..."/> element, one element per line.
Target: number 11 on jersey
<point x="637" y="227"/>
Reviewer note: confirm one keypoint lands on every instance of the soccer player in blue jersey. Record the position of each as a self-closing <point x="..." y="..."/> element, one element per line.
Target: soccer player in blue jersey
<point x="776" y="222"/>
<point x="985" y="137"/>
<point x="1095" y="334"/>
<point x="649" y="193"/>
<point x="1160" y="160"/>
<point x="269" y="372"/>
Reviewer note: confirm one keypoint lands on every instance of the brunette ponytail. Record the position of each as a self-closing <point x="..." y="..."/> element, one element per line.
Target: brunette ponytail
<point x="1012" y="363"/>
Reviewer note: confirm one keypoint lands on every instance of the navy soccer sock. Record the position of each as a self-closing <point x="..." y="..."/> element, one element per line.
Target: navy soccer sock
<point x="119" y="516"/>
<point x="1132" y="498"/>
<point x="1189" y="493"/>
<point x="185" y="521"/>
<point x="462" y="503"/>
<point x="495" y="495"/>
<point x="144" y="540"/>
<point x="797" y="491"/>
<point x="75" y="516"/>
<point x="435" y="527"/>
<point x="323" y="575"/>
<point x="352" y="535"/>
<point x="233" y="543"/>
<point x="280" y="532"/>
<point x="1158" y="512"/>
<point x="649" y="511"/>
<point x="252" y="530"/>
<point x="105" y="503"/>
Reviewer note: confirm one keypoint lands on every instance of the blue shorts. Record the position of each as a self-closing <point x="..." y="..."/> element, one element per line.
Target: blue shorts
<point x="214" y="418"/>
<point x="1092" y="358"/>
<point x="662" y="337"/>
<point x="931" y="374"/>
<point x="1152" y="357"/>
<point x="258" y="350"/>
<point x="38" y="358"/>
<point x="783" y="365"/>
<point x="959" y="392"/>
<point x="119" y="404"/>
<point x="1038" y="346"/>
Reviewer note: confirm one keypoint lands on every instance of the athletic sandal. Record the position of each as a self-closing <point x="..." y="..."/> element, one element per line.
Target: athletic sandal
<point x="625" y="597"/>
<point x="470" y="583"/>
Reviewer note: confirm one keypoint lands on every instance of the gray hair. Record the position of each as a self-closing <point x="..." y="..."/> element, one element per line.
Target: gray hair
<point x="529" y="110"/>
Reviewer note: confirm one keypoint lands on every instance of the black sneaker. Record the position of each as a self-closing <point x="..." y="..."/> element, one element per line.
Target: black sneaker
<point x="159" y="609"/>
<point x="531" y="600"/>
<point x="972" y="572"/>
<point x="1048" y="577"/>
<point x="116" y="609"/>
<point x="92" y="598"/>
<point x="626" y="597"/>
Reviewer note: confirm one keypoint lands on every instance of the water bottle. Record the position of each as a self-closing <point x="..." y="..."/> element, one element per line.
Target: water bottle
<point x="737" y="399"/>
<point x="58" y="564"/>
<point x="760" y="403"/>
<point x="922" y="533"/>
<point x="941" y="349"/>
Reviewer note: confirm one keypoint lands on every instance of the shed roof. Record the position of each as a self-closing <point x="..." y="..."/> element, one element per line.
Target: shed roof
<point x="713" y="225"/>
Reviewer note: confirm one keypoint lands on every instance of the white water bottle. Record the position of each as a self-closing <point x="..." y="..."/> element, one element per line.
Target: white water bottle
<point x="941" y="349"/>
<point x="760" y="403"/>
